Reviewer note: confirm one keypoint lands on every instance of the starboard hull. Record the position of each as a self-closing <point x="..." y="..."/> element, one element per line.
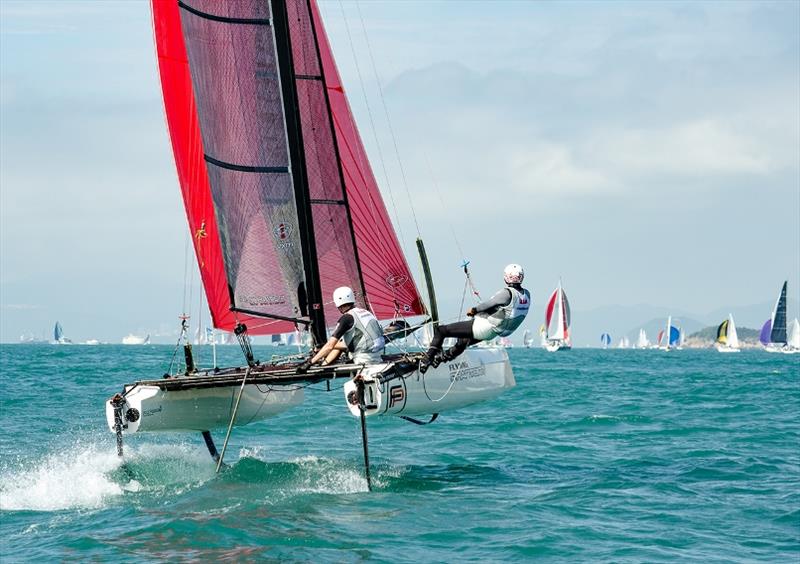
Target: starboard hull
<point x="201" y="409"/>
<point x="477" y="375"/>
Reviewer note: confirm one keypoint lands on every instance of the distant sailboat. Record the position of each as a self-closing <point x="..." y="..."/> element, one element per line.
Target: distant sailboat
<point x="58" y="335"/>
<point x="605" y="340"/>
<point x="132" y="339"/>
<point x="543" y="336"/>
<point x="642" y="342"/>
<point x="727" y="339"/>
<point x="557" y="321"/>
<point x="527" y="340"/>
<point x="793" y="346"/>
<point x="773" y="333"/>
<point x="669" y="337"/>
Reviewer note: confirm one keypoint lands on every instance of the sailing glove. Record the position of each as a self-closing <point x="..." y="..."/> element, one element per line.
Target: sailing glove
<point x="303" y="368"/>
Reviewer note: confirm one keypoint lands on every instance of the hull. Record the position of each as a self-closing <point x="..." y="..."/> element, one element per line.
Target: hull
<point x="553" y="346"/>
<point x="724" y="349"/>
<point x="201" y="409"/>
<point x="477" y="375"/>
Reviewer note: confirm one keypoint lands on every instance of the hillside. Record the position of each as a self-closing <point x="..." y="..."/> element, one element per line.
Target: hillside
<point x="707" y="336"/>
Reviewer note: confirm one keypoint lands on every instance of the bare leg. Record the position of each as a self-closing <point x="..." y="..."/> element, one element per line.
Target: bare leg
<point x="338" y="349"/>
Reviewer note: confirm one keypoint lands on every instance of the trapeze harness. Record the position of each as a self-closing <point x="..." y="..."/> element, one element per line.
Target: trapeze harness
<point x="505" y="319"/>
<point x="364" y="339"/>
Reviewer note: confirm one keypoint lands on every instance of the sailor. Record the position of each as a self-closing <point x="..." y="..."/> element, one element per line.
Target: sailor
<point x="357" y="332"/>
<point x="499" y="316"/>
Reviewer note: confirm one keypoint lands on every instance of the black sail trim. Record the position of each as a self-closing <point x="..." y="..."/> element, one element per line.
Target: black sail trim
<point x="323" y="201"/>
<point x="271" y="316"/>
<point x="307" y="77"/>
<point x="297" y="158"/>
<point x="246" y="168"/>
<point x="224" y="19"/>
<point x="362" y="284"/>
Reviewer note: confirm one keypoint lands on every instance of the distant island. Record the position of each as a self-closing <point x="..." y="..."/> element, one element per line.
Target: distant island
<point x="706" y="338"/>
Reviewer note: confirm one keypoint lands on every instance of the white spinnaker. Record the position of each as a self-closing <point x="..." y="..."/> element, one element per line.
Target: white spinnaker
<point x="559" y="307"/>
<point x="794" y="334"/>
<point x="733" y="338"/>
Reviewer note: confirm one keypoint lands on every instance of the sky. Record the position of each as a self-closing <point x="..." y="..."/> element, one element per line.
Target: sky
<point x="645" y="153"/>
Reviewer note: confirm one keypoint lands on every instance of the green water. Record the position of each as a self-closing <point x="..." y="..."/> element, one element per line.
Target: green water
<point x="594" y="456"/>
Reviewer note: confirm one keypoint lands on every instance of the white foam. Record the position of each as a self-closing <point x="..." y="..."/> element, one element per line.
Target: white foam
<point x="68" y="480"/>
<point x="82" y="478"/>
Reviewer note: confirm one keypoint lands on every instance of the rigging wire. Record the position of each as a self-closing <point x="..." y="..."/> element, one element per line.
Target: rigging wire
<point x="465" y="262"/>
<point x="361" y="153"/>
<point x="388" y="120"/>
<point x="374" y="131"/>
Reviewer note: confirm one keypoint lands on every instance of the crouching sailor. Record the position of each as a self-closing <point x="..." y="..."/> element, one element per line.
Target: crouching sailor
<point x="498" y="316"/>
<point x="357" y="332"/>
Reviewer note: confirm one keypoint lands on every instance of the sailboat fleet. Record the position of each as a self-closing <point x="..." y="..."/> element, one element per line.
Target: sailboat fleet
<point x="283" y="208"/>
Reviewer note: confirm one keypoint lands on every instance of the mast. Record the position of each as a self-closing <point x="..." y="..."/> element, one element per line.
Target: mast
<point x="313" y="286"/>
<point x="667" y="332"/>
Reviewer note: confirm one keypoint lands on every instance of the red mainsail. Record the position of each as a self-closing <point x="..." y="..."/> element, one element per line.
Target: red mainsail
<point x="227" y="118"/>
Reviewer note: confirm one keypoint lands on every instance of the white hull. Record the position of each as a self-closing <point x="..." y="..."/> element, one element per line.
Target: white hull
<point x="726" y="349"/>
<point x="202" y="409"/>
<point x="783" y="349"/>
<point x="477" y="375"/>
<point x="553" y="346"/>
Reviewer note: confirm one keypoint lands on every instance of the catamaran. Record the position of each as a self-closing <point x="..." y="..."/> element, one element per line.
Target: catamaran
<point x="773" y="333"/>
<point x="557" y="321"/>
<point x="727" y="339"/>
<point x="283" y="208"/>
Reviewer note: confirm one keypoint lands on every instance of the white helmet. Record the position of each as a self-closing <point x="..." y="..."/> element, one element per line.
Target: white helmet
<point x="343" y="295"/>
<point x="513" y="274"/>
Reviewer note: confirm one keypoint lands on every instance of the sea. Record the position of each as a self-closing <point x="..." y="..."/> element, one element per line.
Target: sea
<point x="595" y="456"/>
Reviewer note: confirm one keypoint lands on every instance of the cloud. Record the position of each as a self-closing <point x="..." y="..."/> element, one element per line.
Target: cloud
<point x="704" y="148"/>
<point x="21" y="306"/>
<point x="552" y="170"/>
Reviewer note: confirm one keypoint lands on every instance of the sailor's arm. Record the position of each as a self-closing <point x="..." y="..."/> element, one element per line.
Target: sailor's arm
<point x="500" y="299"/>
<point x="326" y="349"/>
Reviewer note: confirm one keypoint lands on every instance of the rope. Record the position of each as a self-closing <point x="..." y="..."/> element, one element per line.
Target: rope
<point x="418" y="422"/>
<point x="233" y="418"/>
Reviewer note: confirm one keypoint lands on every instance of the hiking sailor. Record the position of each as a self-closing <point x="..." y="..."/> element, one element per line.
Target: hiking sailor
<point x="357" y="332"/>
<point x="499" y="316"/>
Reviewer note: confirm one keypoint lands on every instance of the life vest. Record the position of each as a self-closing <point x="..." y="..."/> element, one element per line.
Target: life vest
<point x="506" y="319"/>
<point x="364" y="339"/>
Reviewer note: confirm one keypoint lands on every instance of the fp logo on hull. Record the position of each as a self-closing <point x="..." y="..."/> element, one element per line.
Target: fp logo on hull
<point x="396" y="395"/>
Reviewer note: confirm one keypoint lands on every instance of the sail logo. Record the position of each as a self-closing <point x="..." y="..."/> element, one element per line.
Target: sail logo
<point x="283" y="232"/>
<point x="396" y="280"/>
<point x="267" y="300"/>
